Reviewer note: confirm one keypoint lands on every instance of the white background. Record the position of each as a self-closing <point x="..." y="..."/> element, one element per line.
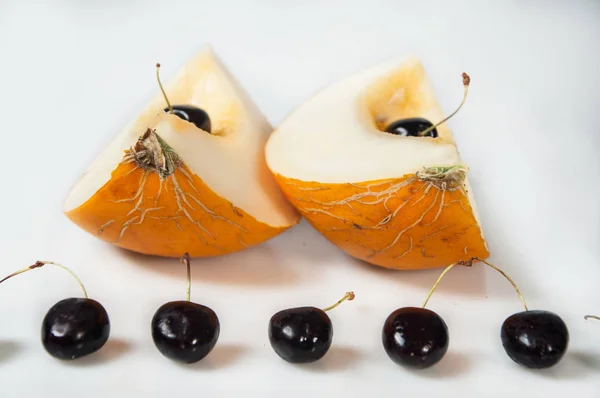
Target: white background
<point x="73" y="72"/>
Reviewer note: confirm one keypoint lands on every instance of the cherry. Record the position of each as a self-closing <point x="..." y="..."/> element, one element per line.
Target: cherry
<point x="535" y="339"/>
<point x="420" y="127"/>
<point x="184" y="331"/>
<point x="73" y="327"/>
<point x="415" y="337"/>
<point x="189" y="113"/>
<point x="302" y="334"/>
<point x="412" y="128"/>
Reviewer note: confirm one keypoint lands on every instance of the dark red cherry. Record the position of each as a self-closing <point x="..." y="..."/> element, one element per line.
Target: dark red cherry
<point x="303" y="334"/>
<point x="300" y="335"/>
<point x="75" y="327"/>
<point x="535" y="339"/>
<point x="411" y="127"/>
<point x="193" y="115"/>
<point x="184" y="331"/>
<point x="415" y="337"/>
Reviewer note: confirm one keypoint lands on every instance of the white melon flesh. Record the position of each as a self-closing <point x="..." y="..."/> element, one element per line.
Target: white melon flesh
<point x="230" y="161"/>
<point x="333" y="138"/>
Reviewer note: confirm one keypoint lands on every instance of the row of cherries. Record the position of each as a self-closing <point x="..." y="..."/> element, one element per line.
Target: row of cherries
<point x="186" y="332"/>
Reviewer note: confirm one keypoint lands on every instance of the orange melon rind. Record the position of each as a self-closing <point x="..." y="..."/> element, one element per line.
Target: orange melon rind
<point x="414" y="222"/>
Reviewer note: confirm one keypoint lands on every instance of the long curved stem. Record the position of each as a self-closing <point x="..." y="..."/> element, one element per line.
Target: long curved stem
<point x="348" y="296"/>
<point x="466" y="82"/>
<point x="437" y="282"/>
<point x="591" y="317"/>
<point x="504" y="274"/>
<point x="162" y="89"/>
<point x="39" y="264"/>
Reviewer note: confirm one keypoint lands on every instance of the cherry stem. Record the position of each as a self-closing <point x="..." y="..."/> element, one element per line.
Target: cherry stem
<point x="162" y="89"/>
<point x="186" y="260"/>
<point x="504" y="274"/>
<point x="435" y="285"/>
<point x="470" y="263"/>
<point x="348" y="296"/>
<point x="466" y="82"/>
<point x="591" y="317"/>
<point x="39" y="264"/>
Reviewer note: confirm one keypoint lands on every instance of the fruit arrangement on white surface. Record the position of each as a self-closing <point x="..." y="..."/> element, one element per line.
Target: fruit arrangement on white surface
<point x="369" y="162"/>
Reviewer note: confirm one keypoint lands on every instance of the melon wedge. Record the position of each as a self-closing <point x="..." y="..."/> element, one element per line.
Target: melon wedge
<point x="395" y="201"/>
<point x="164" y="186"/>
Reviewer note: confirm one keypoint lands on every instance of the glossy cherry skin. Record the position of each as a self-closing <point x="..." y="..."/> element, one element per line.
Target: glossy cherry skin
<point x="415" y="337"/>
<point x="193" y="115"/>
<point x="75" y="327"/>
<point x="411" y="127"/>
<point x="535" y="339"/>
<point x="300" y="335"/>
<point x="184" y="331"/>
